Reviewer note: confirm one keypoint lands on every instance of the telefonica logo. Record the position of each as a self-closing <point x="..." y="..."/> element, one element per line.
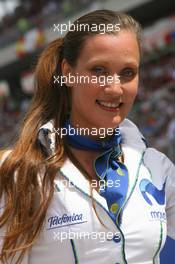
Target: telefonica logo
<point x="64" y="220"/>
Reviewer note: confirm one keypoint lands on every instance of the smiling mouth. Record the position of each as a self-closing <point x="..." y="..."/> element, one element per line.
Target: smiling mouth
<point x="109" y="106"/>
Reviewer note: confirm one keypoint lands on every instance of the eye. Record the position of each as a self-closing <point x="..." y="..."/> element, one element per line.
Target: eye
<point x="128" y="73"/>
<point x="99" y="70"/>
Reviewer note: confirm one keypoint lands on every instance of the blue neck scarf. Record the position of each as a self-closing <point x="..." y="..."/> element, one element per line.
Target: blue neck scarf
<point x="112" y="173"/>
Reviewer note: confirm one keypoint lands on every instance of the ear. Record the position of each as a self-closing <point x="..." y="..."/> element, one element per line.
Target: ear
<point x="66" y="70"/>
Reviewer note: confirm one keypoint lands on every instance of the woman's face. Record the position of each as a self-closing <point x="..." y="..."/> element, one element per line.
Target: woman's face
<point x="95" y="105"/>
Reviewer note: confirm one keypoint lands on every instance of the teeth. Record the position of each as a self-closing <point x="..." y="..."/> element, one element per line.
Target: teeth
<point x="112" y="105"/>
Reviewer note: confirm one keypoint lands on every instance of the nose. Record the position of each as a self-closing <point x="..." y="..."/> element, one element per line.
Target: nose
<point x="114" y="87"/>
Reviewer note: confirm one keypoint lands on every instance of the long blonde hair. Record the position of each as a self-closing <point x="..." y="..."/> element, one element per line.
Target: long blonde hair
<point x="27" y="200"/>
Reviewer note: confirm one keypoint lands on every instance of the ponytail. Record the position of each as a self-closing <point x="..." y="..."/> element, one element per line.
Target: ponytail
<point x="28" y="194"/>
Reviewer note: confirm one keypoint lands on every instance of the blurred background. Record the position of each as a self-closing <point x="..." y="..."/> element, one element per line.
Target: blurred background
<point x="27" y="26"/>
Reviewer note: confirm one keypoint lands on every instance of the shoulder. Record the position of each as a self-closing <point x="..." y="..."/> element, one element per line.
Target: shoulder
<point x="131" y="135"/>
<point x="159" y="161"/>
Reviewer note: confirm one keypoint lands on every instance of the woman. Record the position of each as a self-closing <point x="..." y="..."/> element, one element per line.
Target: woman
<point x="92" y="197"/>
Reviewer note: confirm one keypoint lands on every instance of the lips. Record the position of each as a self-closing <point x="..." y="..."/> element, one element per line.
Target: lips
<point x="109" y="105"/>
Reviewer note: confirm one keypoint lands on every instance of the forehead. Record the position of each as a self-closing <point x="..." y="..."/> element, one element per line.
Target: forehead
<point x="122" y="45"/>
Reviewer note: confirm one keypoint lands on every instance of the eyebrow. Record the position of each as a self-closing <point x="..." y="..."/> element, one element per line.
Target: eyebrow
<point x="129" y="62"/>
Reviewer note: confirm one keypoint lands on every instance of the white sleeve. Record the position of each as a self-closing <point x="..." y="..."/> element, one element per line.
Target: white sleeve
<point x="170" y="196"/>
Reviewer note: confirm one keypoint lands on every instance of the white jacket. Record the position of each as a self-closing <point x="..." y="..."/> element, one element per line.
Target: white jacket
<point x="72" y="232"/>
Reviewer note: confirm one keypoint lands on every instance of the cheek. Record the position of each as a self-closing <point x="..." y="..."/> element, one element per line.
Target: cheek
<point x="131" y="91"/>
<point x="86" y="92"/>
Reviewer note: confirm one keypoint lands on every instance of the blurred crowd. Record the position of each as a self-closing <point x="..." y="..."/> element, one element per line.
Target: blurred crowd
<point x="154" y="110"/>
<point x="40" y="14"/>
<point x="11" y="114"/>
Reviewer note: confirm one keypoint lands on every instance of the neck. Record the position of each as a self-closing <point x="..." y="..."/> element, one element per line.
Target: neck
<point x="94" y="133"/>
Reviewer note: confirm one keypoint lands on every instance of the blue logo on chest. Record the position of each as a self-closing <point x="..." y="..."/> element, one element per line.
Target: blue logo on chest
<point x="146" y="187"/>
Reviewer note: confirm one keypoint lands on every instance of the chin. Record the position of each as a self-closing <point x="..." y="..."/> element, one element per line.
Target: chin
<point x="112" y="123"/>
<point x="117" y="120"/>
